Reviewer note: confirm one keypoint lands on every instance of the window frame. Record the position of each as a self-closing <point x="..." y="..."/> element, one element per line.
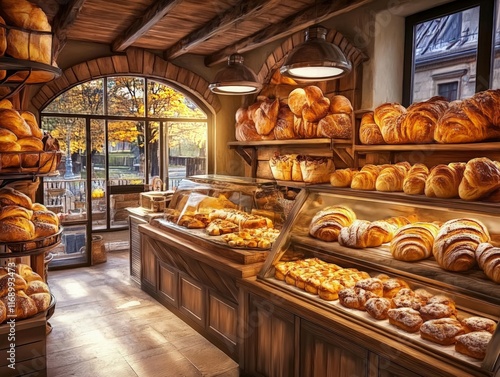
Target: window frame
<point x="485" y="45"/>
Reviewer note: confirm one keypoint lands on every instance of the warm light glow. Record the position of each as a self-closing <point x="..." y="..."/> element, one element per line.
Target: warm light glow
<point x="315" y="72"/>
<point x="236" y="89"/>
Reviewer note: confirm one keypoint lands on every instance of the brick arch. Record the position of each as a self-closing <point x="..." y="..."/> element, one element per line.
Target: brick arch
<point x="134" y="61"/>
<point x="277" y="57"/>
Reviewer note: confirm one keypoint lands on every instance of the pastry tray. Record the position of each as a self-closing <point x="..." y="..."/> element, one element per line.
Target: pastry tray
<point x="36" y="245"/>
<point x="46" y="162"/>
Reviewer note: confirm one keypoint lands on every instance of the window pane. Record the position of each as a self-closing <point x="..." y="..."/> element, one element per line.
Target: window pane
<point x="164" y="101"/>
<point x="496" y="62"/>
<point x="154" y="156"/>
<point x="126" y="96"/>
<point x="126" y="152"/>
<point x="446" y="50"/>
<point x="86" y="98"/>
<point x="187" y="150"/>
<point x="98" y="194"/>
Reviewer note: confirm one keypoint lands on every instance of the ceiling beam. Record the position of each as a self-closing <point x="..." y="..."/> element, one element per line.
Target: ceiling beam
<point x="313" y="15"/>
<point x="219" y="24"/>
<point x="142" y="25"/>
<point x="65" y="17"/>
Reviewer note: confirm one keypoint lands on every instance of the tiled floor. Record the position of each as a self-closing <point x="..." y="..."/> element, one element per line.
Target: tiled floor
<point x="104" y="325"/>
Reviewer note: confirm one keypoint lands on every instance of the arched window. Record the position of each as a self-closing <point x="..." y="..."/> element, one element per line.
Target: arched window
<point x="117" y="134"/>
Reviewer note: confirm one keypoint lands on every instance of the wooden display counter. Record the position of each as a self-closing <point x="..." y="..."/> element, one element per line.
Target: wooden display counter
<point x="191" y="278"/>
<point x="286" y="336"/>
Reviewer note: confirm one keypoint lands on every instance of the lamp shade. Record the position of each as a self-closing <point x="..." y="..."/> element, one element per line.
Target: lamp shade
<point x="315" y="58"/>
<point x="235" y="78"/>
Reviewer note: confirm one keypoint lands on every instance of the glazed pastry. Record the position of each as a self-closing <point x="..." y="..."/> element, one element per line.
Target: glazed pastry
<point x="388" y="117"/>
<point x="369" y="132"/>
<point x="372" y="284"/>
<point x="406" y="319"/>
<point x="414" y="182"/>
<point x="414" y="242"/>
<point x="488" y="260"/>
<point x="481" y="177"/>
<point x="441" y="331"/>
<point x="391" y="178"/>
<point x="456" y="242"/>
<point x="443" y="180"/>
<point x="473" y="344"/>
<point x="327" y="223"/>
<point x="363" y="233"/>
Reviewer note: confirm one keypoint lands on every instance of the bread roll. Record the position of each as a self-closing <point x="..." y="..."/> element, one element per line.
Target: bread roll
<point x="23" y="306"/>
<point x="419" y="122"/>
<point x="335" y="126"/>
<point x="342" y="177"/>
<point x="377" y="307"/>
<point x="43" y="230"/>
<point x="37" y="286"/>
<point x="340" y="105"/>
<point x="266" y="116"/>
<point x="369" y="131"/>
<point x="392" y="286"/>
<point x="11" y="281"/>
<point x="456" y="242"/>
<point x="15" y="211"/>
<point x="42" y="301"/>
<point x="488" y="260"/>
<point x="470" y="120"/>
<point x="414" y="242"/>
<point x="15" y="229"/>
<point x="315" y="169"/>
<point x="414" y="182"/>
<point x="11" y="120"/>
<point x="481" y="177"/>
<point x="327" y="223"/>
<point x="32" y="122"/>
<point x="355" y="298"/>
<point x="297" y="101"/>
<point x="7" y="136"/>
<point x="9" y="196"/>
<point x="388" y="117"/>
<point x="443" y="180"/>
<point x="406" y="298"/>
<point x="366" y="178"/>
<point x="473" y="344"/>
<point x="284" y="128"/>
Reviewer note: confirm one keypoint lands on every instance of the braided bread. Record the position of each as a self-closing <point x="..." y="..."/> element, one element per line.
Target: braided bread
<point x="443" y="180"/>
<point x="456" y="242"/>
<point x="414" y="182"/>
<point x="481" y="178"/>
<point x="488" y="260"/>
<point x="326" y="224"/>
<point x="414" y="242"/>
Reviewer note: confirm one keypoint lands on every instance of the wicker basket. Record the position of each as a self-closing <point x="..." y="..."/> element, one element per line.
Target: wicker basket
<point x="98" y="254"/>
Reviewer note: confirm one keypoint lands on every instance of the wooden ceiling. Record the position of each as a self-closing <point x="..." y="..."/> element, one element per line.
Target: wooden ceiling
<point x="211" y="28"/>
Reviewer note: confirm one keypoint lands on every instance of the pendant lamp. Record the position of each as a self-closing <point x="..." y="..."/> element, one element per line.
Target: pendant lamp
<point x="235" y="78"/>
<point x="315" y="58"/>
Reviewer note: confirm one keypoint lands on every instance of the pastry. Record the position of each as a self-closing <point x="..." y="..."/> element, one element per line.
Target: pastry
<point x="406" y="298"/>
<point x="435" y="311"/>
<point x="377" y="307"/>
<point x="342" y="177"/>
<point x="419" y="122"/>
<point x="481" y="177"/>
<point x="366" y="178"/>
<point x="393" y="286"/>
<point x="456" y="242"/>
<point x="372" y="284"/>
<point x="414" y="242"/>
<point x="369" y="131"/>
<point x="414" y="182"/>
<point x="266" y="116"/>
<point x="488" y="260"/>
<point x="329" y="289"/>
<point x="423" y="295"/>
<point x="355" y="298"/>
<point x="406" y="319"/>
<point x="473" y="344"/>
<point x="391" y="178"/>
<point x="472" y="324"/>
<point x="340" y="104"/>
<point x="443" y="180"/>
<point x="362" y="233"/>
<point x="441" y="331"/>
<point x="315" y="169"/>
<point x="388" y="117"/>
<point x="327" y="223"/>
<point x="284" y="124"/>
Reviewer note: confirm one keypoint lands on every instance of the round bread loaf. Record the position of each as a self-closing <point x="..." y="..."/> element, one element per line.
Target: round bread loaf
<point x="44" y="229"/>
<point x="48" y="217"/>
<point x="15" y="211"/>
<point x="10" y="196"/>
<point x="16" y="229"/>
<point x="11" y="120"/>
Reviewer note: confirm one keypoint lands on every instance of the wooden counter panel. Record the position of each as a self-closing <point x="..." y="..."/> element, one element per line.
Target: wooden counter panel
<point x="167" y="283"/>
<point x="192" y="299"/>
<point x="222" y="317"/>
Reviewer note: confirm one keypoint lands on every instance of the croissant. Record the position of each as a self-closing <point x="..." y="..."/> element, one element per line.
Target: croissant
<point x="414" y="183"/>
<point x="342" y="177"/>
<point x="284" y="124"/>
<point x="419" y="122"/>
<point x="391" y="178"/>
<point x="470" y="120"/>
<point x="362" y="233"/>
<point x="488" y="260"/>
<point x="481" y="178"/>
<point x="265" y="116"/>
<point x="443" y="180"/>
<point x="369" y="132"/>
<point x="388" y="117"/>
<point x="366" y="178"/>
<point x="414" y="242"/>
<point x="327" y="223"/>
<point x="399" y="221"/>
<point x="456" y="242"/>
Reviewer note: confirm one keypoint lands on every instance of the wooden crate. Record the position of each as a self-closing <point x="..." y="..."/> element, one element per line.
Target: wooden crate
<point x="29" y="346"/>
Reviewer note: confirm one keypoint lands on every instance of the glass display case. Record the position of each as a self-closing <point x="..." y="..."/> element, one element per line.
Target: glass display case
<point x="472" y="292"/>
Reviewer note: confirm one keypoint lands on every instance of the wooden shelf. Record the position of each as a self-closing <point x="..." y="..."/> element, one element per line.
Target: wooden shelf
<point x="271" y="143"/>
<point x="489" y="146"/>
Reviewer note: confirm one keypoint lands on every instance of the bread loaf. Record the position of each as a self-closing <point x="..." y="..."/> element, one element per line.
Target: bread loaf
<point x="281" y="166"/>
<point x="443" y="180"/>
<point x="284" y="125"/>
<point x="309" y="103"/>
<point x="11" y="120"/>
<point x="266" y="116"/>
<point x="9" y="196"/>
<point x="481" y="177"/>
<point x="23" y="306"/>
<point x="48" y="217"/>
<point x="315" y="169"/>
<point x="470" y="120"/>
<point x="488" y="260"/>
<point x="335" y="126"/>
<point x="419" y="122"/>
<point x="32" y="122"/>
<point x="11" y="281"/>
<point x="340" y="104"/>
<point x="476" y="323"/>
<point x="327" y="223"/>
<point x="16" y="229"/>
<point x="9" y="160"/>
<point x="15" y="211"/>
<point x="414" y="182"/>
<point x="369" y="131"/>
<point x="414" y="242"/>
<point x="456" y="242"/>
<point x="342" y="177"/>
<point x="388" y="117"/>
<point x="441" y="331"/>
